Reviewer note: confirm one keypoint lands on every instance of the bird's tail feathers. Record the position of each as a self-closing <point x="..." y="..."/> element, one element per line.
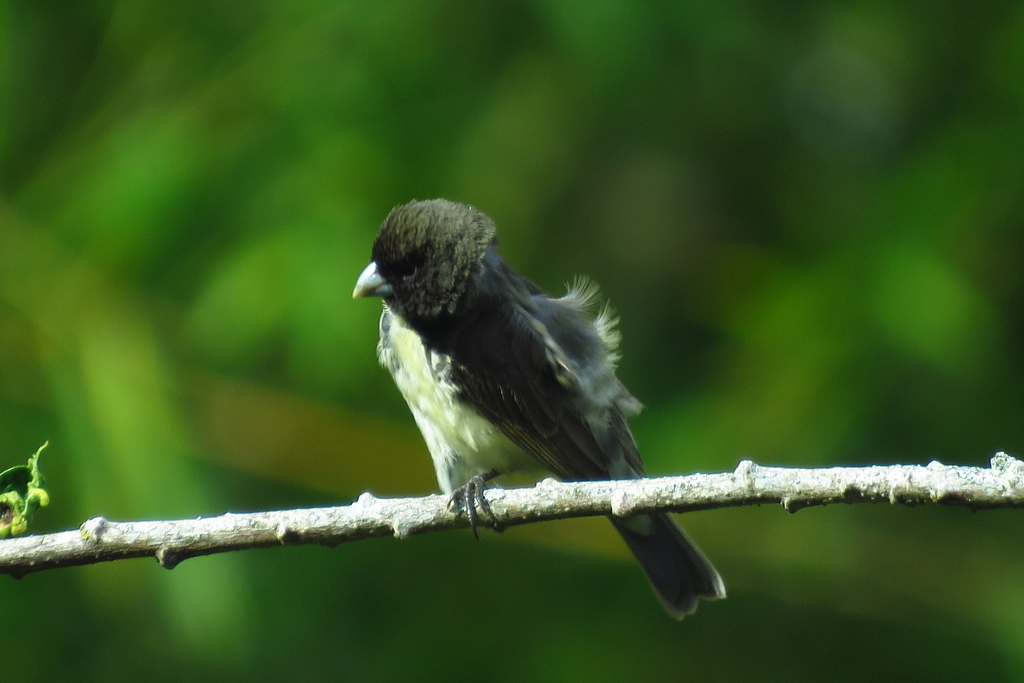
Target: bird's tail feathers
<point x="675" y="566"/>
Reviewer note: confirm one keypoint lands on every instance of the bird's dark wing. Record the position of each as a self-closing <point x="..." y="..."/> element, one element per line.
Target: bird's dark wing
<point x="537" y="368"/>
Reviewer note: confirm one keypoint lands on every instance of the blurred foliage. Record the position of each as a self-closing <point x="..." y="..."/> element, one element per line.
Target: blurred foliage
<point x="809" y="217"/>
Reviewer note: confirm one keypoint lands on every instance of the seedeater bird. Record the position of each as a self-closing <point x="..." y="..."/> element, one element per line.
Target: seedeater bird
<point x="500" y="376"/>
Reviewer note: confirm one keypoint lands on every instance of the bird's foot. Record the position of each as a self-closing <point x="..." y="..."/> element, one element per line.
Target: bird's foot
<point x="470" y="497"/>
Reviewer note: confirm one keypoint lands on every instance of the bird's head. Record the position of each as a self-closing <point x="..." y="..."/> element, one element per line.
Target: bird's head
<point x="425" y="258"/>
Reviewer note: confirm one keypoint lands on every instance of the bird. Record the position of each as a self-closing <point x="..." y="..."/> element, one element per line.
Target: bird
<point x="502" y="377"/>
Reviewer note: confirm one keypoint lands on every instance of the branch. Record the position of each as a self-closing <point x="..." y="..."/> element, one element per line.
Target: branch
<point x="99" y="540"/>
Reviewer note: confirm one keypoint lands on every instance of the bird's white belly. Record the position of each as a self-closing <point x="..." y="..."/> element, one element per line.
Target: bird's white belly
<point x="462" y="443"/>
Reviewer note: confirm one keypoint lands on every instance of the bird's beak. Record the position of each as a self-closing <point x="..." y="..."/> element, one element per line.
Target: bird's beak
<point x="370" y="283"/>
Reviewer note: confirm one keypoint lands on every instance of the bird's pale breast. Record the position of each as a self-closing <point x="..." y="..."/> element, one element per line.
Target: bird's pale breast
<point x="462" y="443"/>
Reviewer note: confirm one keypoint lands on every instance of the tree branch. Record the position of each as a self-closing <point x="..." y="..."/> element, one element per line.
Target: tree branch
<point x="170" y="542"/>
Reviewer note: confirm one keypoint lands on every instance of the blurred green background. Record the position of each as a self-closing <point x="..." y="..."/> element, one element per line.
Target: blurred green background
<point x="809" y="216"/>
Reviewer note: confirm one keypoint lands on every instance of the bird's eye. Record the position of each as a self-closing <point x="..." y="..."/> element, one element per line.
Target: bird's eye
<point x="407" y="266"/>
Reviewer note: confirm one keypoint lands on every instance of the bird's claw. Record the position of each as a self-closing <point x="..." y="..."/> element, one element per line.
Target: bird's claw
<point x="470" y="497"/>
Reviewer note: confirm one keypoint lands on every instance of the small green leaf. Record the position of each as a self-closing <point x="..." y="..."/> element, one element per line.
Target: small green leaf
<point x="21" y="494"/>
